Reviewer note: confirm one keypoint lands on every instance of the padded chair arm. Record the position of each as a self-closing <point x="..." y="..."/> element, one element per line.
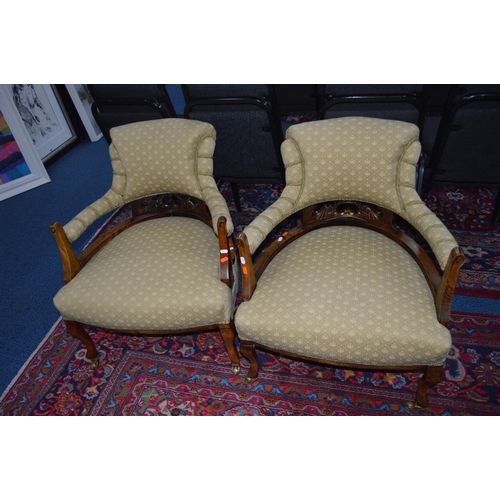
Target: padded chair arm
<point x="257" y="231"/>
<point x="216" y="205"/>
<point x="437" y="235"/>
<point x="429" y="225"/>
<point x="111" y="201"/>
<point x="76" y="226"/>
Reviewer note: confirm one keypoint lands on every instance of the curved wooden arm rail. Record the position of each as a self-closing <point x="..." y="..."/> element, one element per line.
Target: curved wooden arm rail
<point x="173" y="205"/>
<point x="442" y="287"/>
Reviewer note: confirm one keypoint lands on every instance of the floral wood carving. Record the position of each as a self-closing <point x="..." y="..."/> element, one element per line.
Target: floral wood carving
<point x="335" y="209"/>
<point x="170" y="203"/>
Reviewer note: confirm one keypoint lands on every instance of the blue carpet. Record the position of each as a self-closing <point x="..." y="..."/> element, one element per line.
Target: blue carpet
<point x="177" y="98"/>
<point x="462" y="303"/>
<point x="30" y="267"/>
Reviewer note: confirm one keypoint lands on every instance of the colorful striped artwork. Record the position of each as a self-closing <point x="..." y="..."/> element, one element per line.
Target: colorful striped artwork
<point x="12" y="162"/>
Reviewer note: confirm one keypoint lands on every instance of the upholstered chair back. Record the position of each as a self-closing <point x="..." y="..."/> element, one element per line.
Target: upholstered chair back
<point x="371" y="160"/>
<point x="161" y="156"/>
<point x="171" y="155"/>
<point x="352" y="158"/>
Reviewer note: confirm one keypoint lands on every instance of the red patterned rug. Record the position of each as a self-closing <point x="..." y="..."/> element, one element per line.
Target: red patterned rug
<point x="191" y="374"/>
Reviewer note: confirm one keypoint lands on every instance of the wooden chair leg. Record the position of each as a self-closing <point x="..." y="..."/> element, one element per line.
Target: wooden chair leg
<point x="228" y="334"/>
<point x="432" y="376"/>
<point x="78" y="331"/>
<point x="247" y="349"/>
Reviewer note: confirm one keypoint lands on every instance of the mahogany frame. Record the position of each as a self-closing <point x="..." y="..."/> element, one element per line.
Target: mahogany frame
<point x="375" y="218"/>
<point x="168" y="205"/>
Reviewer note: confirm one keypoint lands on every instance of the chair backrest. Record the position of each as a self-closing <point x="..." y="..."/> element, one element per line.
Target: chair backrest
<point x="248" y="127"/>
<point x="116" y="105"/>
<point x="403" y="102"/>
<point x="162" y="156"/>
<point x="369" y="160"/>
<point x="172" y="155"/>
<point x="467" y="146"/>
<point x="351" y="158"/>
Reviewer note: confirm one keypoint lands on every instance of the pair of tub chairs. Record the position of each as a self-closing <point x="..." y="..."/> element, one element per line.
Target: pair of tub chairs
<point x="345" y="286"/>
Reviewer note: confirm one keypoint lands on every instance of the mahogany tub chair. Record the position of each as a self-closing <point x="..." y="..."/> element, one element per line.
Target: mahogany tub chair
<point x="346" y="286"/>
<point x="171" y="267"/>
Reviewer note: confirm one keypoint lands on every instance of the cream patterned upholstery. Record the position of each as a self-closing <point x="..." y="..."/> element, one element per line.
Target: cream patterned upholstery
<point x="145" y="280"/>
<point x="163" y="270"/>
<point x="353" y="158"/>
<point x="345" y="286"/>
<point x="347" y="295"/>
<point x="171" y="155"/>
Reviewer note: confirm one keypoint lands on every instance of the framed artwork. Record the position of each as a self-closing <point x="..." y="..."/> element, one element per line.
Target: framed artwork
<point x="44" y="117"/>
<point x="21" y="168"/>
<point x="83" y="103"/>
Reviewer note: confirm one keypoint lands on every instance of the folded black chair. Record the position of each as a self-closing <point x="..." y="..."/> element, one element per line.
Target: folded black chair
<point x="395" y="102"/>
<point x="467" y="145"/>
<point x="116" y="105"/>
<point x="249" y="133"/>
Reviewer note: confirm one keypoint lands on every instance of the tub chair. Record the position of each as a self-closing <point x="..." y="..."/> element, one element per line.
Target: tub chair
<point x="171" y="267"/>
<point x="346" y="285"/>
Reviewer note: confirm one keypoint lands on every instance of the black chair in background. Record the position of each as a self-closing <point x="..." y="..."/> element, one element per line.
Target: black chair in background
<point x="467" y="146"/>
<point x="118" y="104"/>
<point x="394" y="102"/>
<point x="249" y="133"/>
<point x="404" y="102"/>
<point x="297" y="98"/>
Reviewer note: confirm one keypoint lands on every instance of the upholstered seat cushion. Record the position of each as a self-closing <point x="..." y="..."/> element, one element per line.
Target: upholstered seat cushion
<point x="161" y="274"/>
<point x="347" y="295"/>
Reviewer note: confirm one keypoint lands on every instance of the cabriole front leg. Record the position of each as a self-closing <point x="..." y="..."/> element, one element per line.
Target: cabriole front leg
<point x="78" y="331"/>
<point x="432" y="376"/>
<point x="247" y="349"/>
<point x="228" y="334"/>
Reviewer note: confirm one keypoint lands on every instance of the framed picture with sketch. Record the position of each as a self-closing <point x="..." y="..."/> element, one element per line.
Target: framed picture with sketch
<point x="44" y="117"/>
<point x="21" y="168"/>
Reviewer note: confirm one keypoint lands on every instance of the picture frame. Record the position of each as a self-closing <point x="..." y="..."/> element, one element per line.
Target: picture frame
<point x="83" y="103"/>
<point x="21" y="169"/>
<point x="44" y="117"/>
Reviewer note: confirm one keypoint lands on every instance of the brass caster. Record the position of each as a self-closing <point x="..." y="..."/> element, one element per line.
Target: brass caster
<point x="236" y="368"/>
<point x="94" y="363"/>
<point x="250" y="379"/>
<point x="412" y="405"/>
